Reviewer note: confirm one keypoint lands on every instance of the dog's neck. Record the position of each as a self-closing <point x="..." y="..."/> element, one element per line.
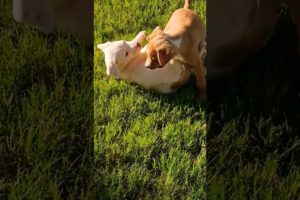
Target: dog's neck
<point x="126" y="71"/>
<point x="176" y="42"/>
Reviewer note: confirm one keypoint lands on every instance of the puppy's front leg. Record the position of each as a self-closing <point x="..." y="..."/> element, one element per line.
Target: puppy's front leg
<point x="201" y="81"/>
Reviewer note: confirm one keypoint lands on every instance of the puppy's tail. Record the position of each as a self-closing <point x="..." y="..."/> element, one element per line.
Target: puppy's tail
<point x="187" y="4"/>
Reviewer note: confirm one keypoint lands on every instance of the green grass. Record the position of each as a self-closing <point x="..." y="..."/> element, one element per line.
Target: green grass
<point x="150" y="146"/>
<point x="45" y="113"/>
<point x="253" y="148"/>
<point x="147" y="146"/>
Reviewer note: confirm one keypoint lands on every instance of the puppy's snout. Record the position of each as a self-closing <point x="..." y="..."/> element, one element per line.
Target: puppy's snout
<point x="148" y="64"/>
<point x="112" y="71"/>
<point x="150" y="67"/>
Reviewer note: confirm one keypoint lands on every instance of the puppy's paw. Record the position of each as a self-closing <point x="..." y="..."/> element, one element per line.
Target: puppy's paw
<point x="202" y="98"/>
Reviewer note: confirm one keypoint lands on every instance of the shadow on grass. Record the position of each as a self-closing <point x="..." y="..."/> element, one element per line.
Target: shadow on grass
<point x="253" y="123"/>
<point x="185" y="96"/>
<point x="46" y="114"/>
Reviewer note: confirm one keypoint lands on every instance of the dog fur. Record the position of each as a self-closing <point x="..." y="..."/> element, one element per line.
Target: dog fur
<point x="180" y="40"/>
<point x="125" y="60"/>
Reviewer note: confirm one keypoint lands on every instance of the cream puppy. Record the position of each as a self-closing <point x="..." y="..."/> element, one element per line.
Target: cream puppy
<point x="125" y="60"/>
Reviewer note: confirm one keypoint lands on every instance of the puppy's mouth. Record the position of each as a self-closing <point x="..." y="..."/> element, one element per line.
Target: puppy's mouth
<point x="151" y="67"/>
<point x="154" y="67"/>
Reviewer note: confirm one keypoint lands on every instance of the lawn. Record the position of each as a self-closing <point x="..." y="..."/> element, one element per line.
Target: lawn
<point x="150" y="146"/>
<point x="147" y="146"/>
<point x="46" y="103"/>
<point x="253" y="148"/>
<point x="243" y="144"/>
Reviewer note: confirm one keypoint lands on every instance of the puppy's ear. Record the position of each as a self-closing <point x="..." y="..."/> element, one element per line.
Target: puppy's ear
<point x="103" y="46"/>
<point x="34" y="12"/>
<point x="154" y="33"/>
<point x="140" y="37"/>
<point x="164" y="55"/>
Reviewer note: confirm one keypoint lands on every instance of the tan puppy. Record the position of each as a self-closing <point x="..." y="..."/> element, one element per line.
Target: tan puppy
<point x="238" y="28"/>
<point x="182" y="39"/>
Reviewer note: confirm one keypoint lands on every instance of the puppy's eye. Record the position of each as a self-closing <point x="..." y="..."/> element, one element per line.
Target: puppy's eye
<point x="126" y="53"/>
<point x="153" y="58"/>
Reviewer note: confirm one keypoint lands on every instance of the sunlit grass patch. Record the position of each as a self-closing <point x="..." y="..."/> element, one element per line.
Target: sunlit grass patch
<point x="147" y="145"/>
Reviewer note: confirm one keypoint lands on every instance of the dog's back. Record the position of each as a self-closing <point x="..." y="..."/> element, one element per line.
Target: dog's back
<point x="184" y="23"/>
<point x="187" y="19"/>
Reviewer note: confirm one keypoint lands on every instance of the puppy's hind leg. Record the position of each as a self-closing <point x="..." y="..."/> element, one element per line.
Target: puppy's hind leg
<point x="201" y="81"/>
